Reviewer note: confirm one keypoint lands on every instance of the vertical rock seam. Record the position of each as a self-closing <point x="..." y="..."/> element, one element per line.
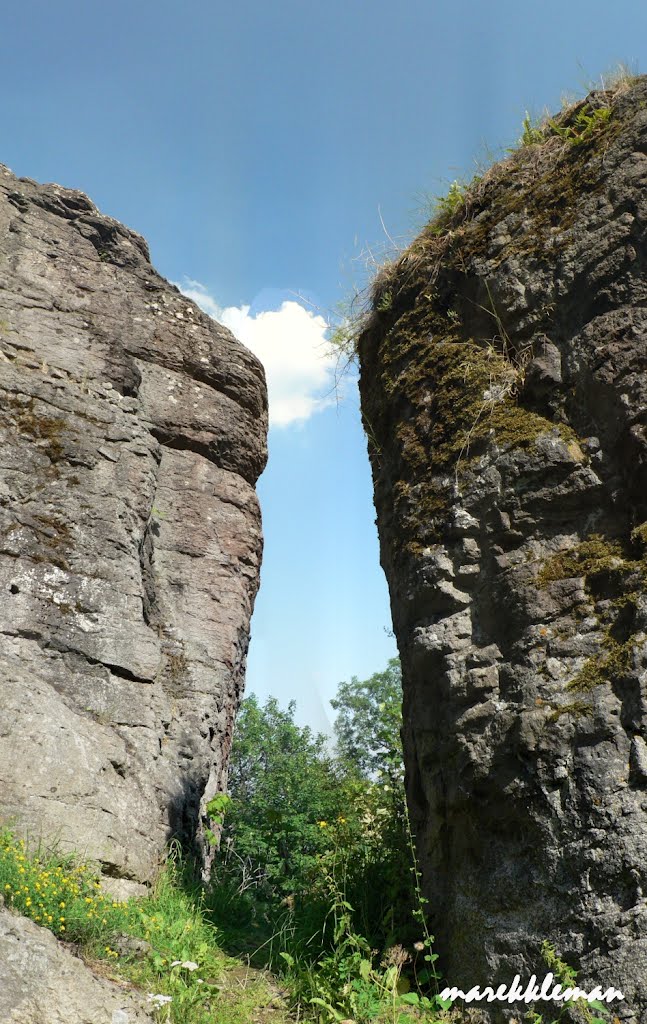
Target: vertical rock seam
<point x="133" y="431"/>
<point x="504" y="398"/>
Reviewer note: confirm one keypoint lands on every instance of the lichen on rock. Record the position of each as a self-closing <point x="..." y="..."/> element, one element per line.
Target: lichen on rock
<point x="133" y="431"/>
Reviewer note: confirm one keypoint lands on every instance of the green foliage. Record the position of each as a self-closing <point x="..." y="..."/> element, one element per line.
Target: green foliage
<point x="181" y="963"/>
<point x="216" y="809"/>
<point x="184" y="961"/>
<point x="316" y="858"/>
<point x="583" y="126"/>
<point x="297" y="811"/>
<point x="315" y="866"/>
<point x="344" y="976"/>
<point x="442" y="209"/>
<point x="586" y="124"/>
<point x="385" y="301"/>
<point x="283" y="783"/>
<point x="531" y="133"/>
<point x="447" y="205"/>
<point x="57" y="893"/>
<point x="369" y="717"/>
<point x="351" y="981"/>
<point x="342" y="337"/>
<point x="567" y="976"/>
<point x="345" y="323"/>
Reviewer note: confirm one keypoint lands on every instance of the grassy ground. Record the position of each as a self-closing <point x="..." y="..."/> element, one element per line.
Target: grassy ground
<point x="168" y="946"/>
<point x="163" y="944"/>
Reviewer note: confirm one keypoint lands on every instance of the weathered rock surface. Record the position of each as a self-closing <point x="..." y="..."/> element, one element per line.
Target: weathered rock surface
<point x="44" y="983"/>
<point x="504" y="393"/>
<point x="133" y="431"/>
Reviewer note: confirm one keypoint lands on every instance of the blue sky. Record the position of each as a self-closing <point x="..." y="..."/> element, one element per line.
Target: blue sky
<point x="258" y="147"/>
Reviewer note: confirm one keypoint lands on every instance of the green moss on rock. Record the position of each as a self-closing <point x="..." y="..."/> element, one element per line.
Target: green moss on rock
<point x="593" y="556"/>
<point x="455" y="397"/>
<point x="39" y="427"/>
<point x="611" y="573"/>
<point x="575" y="707"/>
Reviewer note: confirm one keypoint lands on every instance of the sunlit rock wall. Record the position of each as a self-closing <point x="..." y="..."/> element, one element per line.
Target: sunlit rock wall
<point x="133" y="431"/>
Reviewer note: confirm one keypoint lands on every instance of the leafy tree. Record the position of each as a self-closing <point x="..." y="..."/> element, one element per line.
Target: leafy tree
<point x="369" y="717"/>
<point x="308" y="828"/>
<point x="283" y="782"/>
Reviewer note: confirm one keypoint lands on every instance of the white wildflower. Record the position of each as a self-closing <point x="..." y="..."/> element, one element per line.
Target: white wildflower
<point x="159" y="1000"/>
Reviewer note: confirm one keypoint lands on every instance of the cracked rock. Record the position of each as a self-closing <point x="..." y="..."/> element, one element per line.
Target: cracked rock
<point x="507" y="438"/>
<point x="130" y="537"/>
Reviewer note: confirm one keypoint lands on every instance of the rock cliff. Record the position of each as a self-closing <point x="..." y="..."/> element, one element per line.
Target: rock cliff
<point x="42" y="982"/>
<point x="133" y="431"/>
<point x="504" y="396"/>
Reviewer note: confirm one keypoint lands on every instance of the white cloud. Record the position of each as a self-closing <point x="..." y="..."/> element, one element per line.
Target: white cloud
<point x="291" y="344"/>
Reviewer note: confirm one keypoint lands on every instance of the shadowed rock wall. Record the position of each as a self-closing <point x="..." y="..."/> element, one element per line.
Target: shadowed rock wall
<point x="133" y="431"/>
<point x="504" y="396"/>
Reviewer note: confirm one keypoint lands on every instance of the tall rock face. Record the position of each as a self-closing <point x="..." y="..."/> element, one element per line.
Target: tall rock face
<point x="504" y="394"/>
<point x="133" y="431"/>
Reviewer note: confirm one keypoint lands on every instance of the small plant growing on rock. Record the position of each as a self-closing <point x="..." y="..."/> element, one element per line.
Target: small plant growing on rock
<point x="567" y="976"/>
<point x="531" y="134"/>
<point x="216" y="809"/>
<point x="587" y="123"/>
<point x="56" y="892"/>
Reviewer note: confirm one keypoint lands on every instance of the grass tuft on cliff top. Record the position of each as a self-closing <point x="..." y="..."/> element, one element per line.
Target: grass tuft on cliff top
<point x="546" y="168"/>
<point x="443" y="362"/>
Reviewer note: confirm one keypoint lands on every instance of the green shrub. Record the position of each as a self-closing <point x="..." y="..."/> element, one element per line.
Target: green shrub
<point x="296" y="808"/>
<point x="283" y="783"/>
<point x="57" y="893"/>
<point x="314" y="874"/>
<point x="316" y="858"/>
